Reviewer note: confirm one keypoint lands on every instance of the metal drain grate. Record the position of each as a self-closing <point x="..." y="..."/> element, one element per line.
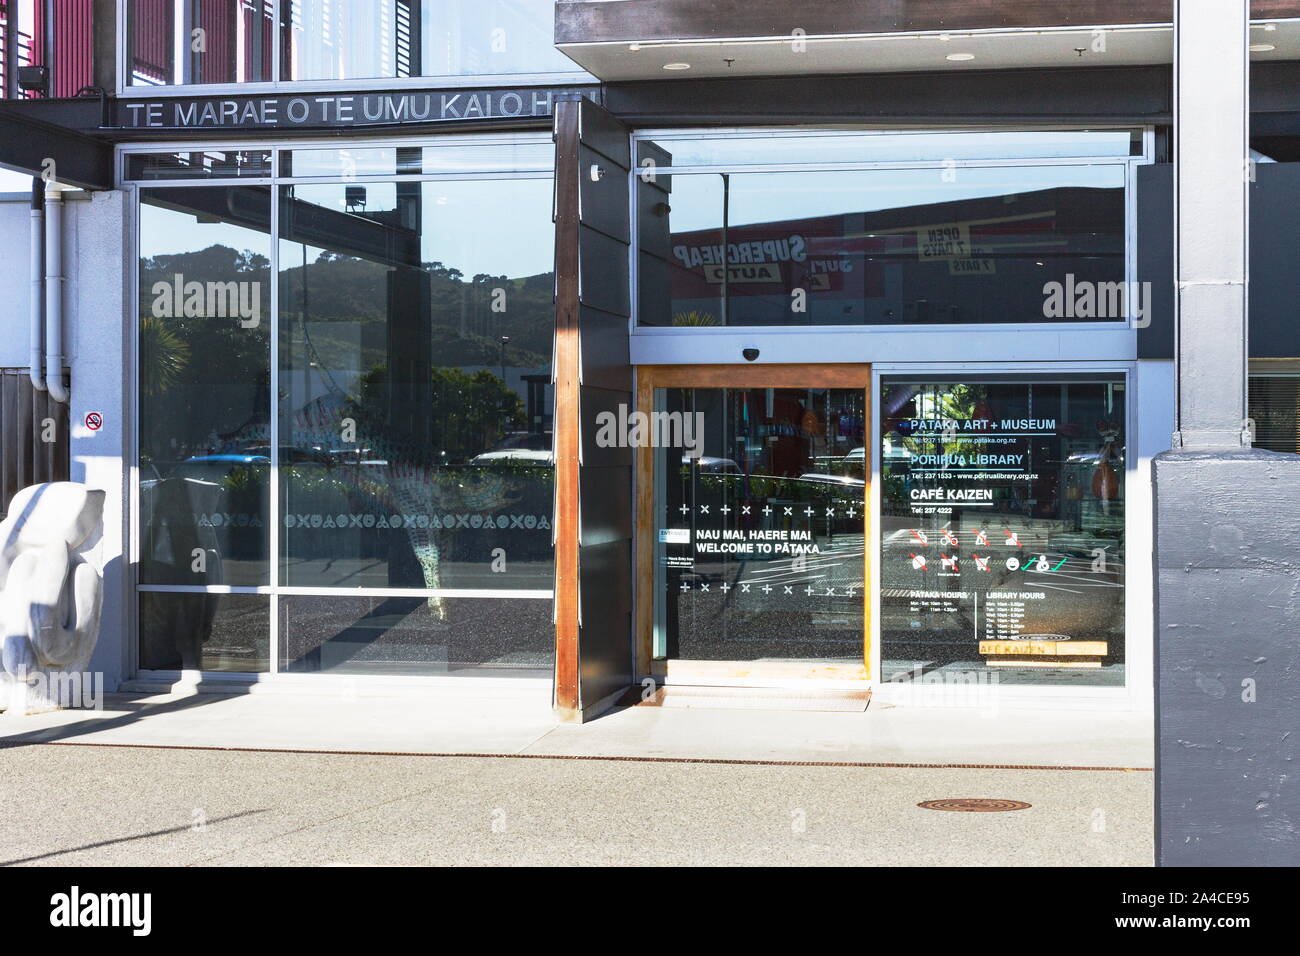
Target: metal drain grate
<point x="974" y="805"/>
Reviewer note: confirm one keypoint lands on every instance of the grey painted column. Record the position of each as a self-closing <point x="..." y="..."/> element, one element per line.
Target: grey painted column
<point x="1227" y="569"/>
<point x="1211" y="187"/>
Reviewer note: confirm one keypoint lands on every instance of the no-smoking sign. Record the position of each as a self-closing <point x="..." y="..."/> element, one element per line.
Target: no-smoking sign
<point x="94" y="421"/>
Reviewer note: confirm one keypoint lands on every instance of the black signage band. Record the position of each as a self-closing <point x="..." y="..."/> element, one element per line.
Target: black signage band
<point x="323" y="110"/>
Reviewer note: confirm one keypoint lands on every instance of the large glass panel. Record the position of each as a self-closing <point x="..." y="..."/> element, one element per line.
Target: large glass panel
<point x="883" y="247"/>
<point x="199" y="41"/>
<point x="200" y="164"/>
<point x="205" y="402"/>
<point x="759" y="514"/>
<point x="1002" y="529"/>
<point x="415" y="400"/>
<point x="362" y="39"/>
<point x="1275" y="410"/>
<point x="465" y="157"/>
<point x="211" y="632"/>
<point x="415" y="635"/>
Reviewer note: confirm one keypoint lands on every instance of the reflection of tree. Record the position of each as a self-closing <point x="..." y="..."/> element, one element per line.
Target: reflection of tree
<point x="468" y="316"/>
<point x="952" y="403"/>
<point x="468" y="412"/>
<point x="163" y="356"/>
<point x="214" y="371"/>
<point x="947" y="403"/>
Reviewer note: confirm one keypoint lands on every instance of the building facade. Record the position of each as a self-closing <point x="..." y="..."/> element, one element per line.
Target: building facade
<point x="575" y="346"/>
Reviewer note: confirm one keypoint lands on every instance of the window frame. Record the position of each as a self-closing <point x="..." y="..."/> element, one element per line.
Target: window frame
<point x="1129" y="164"/>
<point x="273" y="590"/>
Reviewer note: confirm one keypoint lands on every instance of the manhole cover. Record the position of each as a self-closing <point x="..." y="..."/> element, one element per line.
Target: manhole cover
<point x="973" y="805"/>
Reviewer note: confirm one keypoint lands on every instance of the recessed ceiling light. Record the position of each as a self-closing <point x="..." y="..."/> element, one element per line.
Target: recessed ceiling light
<point x="677" y="66"/>
<point x="1261" y="47"/>
<point x="958" y="57"/>
<point x="944" y="38"/>
<point x="1270" y="27"/>
<point x="634" y="47"/>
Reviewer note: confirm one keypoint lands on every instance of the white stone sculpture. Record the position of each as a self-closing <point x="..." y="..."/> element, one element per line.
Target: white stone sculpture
<point x="50" y="597"/>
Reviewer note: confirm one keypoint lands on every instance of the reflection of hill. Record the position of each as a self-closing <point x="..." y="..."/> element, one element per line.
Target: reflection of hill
<point x="206" y="376"/>
<point x="466" y="330"/>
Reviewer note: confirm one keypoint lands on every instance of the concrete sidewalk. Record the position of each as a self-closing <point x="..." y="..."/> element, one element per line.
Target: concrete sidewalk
<point x="521" y="722"/>
<point x="106" y="806"/>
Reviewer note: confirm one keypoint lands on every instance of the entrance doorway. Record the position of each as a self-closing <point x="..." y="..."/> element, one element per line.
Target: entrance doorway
<point x="753" y="507"/>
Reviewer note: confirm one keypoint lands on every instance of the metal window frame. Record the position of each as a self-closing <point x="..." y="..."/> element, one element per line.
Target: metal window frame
<point x="1128" y="163"/>
<point x="280" y="85"/>
<point x="273" y="590"/>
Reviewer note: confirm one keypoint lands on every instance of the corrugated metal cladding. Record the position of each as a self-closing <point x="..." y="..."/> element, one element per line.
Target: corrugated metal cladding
<point x="33" y="436"/>
<point x="74" y="44"/>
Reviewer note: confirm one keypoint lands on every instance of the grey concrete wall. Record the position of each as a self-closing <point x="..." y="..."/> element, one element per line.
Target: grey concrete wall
<point x="15" y="280"/>
<point x="99" y="336"/>
<point x="95" y="330"/>
<point x="1228" y="658"/>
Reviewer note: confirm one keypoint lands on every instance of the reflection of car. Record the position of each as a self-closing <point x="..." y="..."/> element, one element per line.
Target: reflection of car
<point x="894" y="452"/>
<point x="712" y="466"/>
<point x="216" y="467"/>
<point x="1093" y="458"/>
<point x="844" y="480"/>
<point x="530" y="457"/>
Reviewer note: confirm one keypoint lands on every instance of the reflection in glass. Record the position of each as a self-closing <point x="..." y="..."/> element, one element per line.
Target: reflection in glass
<point x="472" y="157"/>
<point x="360" y="39"/>
<point x="200" y="164"/>
<point x="204" y="355"/>
<point x="415" y="345"/>
<point x="235" y="45"/>
<point x="880" y="247"/>
<point x="1002" y="530"/>
<point x="211" y="632"/>
<point x="1274" y="407"/>
<point x="410" y="636"/>
<point x="760" y="547"/>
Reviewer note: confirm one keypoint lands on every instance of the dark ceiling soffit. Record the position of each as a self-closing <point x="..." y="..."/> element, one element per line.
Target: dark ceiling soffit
<point x="80" y="160"/>
<point x="1091" y="94"/>
<point x="582" y="21"/>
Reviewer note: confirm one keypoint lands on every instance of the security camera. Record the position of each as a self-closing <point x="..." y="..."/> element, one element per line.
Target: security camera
<point x="750" y="354"/>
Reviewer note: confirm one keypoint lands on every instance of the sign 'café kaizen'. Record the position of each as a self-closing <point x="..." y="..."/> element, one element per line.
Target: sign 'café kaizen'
<point x="312" y="110"/>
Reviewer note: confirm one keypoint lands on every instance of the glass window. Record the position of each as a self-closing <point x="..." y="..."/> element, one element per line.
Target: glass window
<point x="915" y="246"/>
<point x="1002" y="529"/>
<point x="205" y="398"/>
<point x="760" y="515"/>
<point x="415" y="402"/>
<point x="1275" y="410"/>
<point x="362" y="39"/>
<point x="407" y="160"/>
<point x="413" y="408"/>
<point x="200" y="164"/>
<point x="172" y="42"/>
<point x="344" y="634"/>
<point x="204" y="631"/>
<point x="175" y="42"/>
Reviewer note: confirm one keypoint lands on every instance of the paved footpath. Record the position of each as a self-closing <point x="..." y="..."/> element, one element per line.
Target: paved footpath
<point x="103" y="806"/>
